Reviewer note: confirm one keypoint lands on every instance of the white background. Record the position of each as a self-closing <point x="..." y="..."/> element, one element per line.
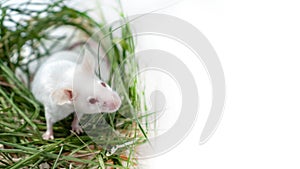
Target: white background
<point x="258" y="44"/>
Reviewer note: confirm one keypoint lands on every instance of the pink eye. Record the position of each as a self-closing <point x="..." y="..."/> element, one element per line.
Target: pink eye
<point x="93" y="100"/>
<point x="103" y="84"/>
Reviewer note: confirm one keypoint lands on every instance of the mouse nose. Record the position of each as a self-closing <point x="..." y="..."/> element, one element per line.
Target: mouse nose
<point x="115" y="103"/>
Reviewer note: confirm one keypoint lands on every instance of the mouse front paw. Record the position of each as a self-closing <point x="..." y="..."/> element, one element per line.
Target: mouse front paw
<point x="48" y="136"/>
<point x="77" y="129"/>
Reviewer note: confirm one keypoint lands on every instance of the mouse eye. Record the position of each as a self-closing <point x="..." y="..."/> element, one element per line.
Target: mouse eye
<point x="93" y="100"/>
<point x="103" y="84"/>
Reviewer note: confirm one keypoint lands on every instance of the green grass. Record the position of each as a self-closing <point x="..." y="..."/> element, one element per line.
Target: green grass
<point x="22" y="118"/>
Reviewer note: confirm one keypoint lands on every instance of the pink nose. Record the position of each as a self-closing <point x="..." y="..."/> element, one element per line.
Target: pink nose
<point x="115" y="103"/>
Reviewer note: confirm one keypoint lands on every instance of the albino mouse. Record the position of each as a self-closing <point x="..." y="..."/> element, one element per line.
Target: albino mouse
<point x="64" y="86"/>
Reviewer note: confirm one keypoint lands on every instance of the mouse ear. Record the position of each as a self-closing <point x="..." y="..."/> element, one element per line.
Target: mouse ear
<point x="63" y="96"/>
<point x="88" y="62"/>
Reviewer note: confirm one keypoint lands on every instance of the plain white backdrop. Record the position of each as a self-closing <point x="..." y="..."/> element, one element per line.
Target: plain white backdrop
<point x="258" y="43"/>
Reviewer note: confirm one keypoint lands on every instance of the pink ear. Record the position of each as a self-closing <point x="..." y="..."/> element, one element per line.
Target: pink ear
<point x="88" y="62"/>
<point x="63" y="96"/>
<point x="69" y="94"/>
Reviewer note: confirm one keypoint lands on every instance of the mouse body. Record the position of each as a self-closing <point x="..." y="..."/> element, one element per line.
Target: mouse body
<point x="64" y="85"/>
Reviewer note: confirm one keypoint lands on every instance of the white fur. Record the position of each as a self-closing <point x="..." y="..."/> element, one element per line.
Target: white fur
<point x="65" y="86"/>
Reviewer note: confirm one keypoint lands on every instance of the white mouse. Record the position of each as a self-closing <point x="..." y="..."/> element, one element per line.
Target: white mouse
<point x="65" y="86"/>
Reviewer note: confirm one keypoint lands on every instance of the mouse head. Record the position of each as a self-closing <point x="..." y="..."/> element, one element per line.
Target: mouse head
<point x="88" y="93"/>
